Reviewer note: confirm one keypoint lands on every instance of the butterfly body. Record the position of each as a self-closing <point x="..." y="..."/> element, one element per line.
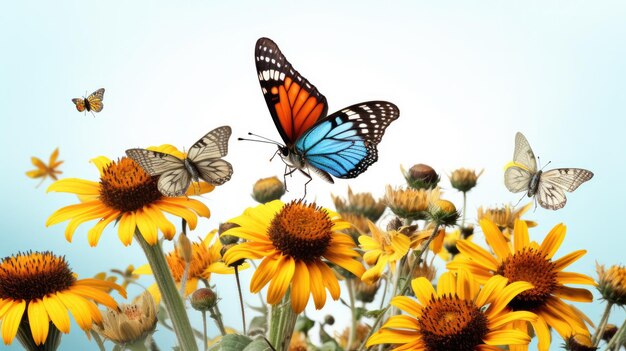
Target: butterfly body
<point x="547" y="187"/>
<point x="340" y="145"/>
<point x="92" y="103"/>
<point x="203" y="161"/>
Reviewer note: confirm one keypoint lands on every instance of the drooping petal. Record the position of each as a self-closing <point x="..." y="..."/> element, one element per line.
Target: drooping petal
<point x="281" y="280"/>
<point x="78" y="309"/>
<point x="520" y="235"/>
<point x="390" y="336"/>
<point x="478" y="254"/>
<point x="69" y="212"/>
<point x="11" y="321"/>
<point x="263" y="274"/>
<point x="329" y="279"/>
<point x="126" y="228"/>
<point x="101" y="162"/>
<point x="147" y="227"/>
<point x="38" y="320"/>
<point x="300" y="287"/>
<point x="57" y="312"/>
<point x="423" y="290"/>
<point x="574" y="278"/>
<point x="568" y="259"/>
<point x="401" y="322"/>
<point x="506" y="337"/>
<point x="166" y="227"/>
<point x="93" y="235"/>
<point x="573" y="294"/>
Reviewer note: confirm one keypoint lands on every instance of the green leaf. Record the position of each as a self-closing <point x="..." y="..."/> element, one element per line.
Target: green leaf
<point x="234" y="342"/>
<point x="258" y="324"/>
<point x="258" y="345"/>
<point x="304" y="324"/>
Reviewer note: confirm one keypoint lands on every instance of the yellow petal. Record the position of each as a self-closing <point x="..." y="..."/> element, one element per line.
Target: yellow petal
<point x="147" y="227"/>
<point x="263" y="274"/>
<point x="353" y="266"/>
<point x="446" y="284"/>
<point x="407" y="304"/>
<point x="317" y="289"/>
<point x="166" y="227"/>
<point x="520" y="235"/>
<point x="573" y="294"/>
<point x="491" y="290"/>
<point x="75" y="186"/>
<point x="173" y="208"/>
<point x="506" y="295"/>
<point x="510" y="317"/>
<point x="495" y="239"/>
<point x="389" y="336"/>
<point x="90" y="215"/>
<point x="57" y="312"/>
<point x="506" y="337"/>
<point x="300" y="287"/>
<point x="77" y="307"/>
<point x="68" y="212"/>
<point x="401" y="322"/>
<point x="97" y="295"/>
<point x="553" y="240"/>
<point x="329" y="279"/>
<point x="424" y="290"/>
<point x="478" y="255"/>
<point x="93" y="235"/>
<point x="568" y="259"/>
<point x="126" y="228"/>
<point x="281" y="280"/>
<point x="38" y="320"/>
<point x="11" y="321"/>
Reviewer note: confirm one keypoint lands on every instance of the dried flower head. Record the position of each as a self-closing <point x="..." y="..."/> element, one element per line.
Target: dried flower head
<point x="362" y="204"/>
<point x="464" y="179"/>
<point x="132" y="323"/>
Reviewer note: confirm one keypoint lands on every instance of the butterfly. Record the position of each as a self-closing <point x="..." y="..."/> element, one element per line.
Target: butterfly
<point x="341" y="145"/>
<point x="92" y="103"/>
<point x="203" y="161"/>
<point x="548" y="187"/>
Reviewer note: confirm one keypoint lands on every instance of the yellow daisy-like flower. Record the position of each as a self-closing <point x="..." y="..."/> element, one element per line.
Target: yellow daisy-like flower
<point x="37" y="288"/>
<point x="531" y="262"/>
<point x="206" y="258"/>
<point x="382" y="249"/>
<point x="612" y="283"/>
<point x="505" y="217"/>
<point x="360" y="204"/>
<point x="294" y="240"/>
<point x="410" y="203"/>
<point x="457" y="316"/>
<point x="125" y="193"/>
<point x="43" y="170"/>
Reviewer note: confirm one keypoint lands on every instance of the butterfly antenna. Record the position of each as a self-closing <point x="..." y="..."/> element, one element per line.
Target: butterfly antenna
<point x="520" y="200"/>
<point x="263" y="139"/>
<point x="275" y="153"/>
<point x="546" y="165"/>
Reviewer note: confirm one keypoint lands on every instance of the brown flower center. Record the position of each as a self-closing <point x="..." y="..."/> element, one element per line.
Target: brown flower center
<point x="201" y="259"/>
<point x="301" y="231"/>
<point x="126" y="187"/>
<point x="33" y="275"/>
<point x="449" y="323"/>
<point x="531" y="266"/>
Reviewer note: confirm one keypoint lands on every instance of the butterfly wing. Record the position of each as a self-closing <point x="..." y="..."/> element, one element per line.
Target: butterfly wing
<point x="80" y="104"/>
<point x="174" y="182"/>
<point x="212" y="145"/>
<point x="154" y="162"/>
<point x="344" y="143"/>
<point x="294" y="103"/>
<point x="216" y="171"/>
<point x="95" y="100"/>
<point x="523" y="153"/>
<point x="554" y="183"/>
<point x="517" y="179"/>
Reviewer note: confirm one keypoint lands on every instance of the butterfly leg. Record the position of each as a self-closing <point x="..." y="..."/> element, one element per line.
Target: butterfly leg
<point x="288" y="171"/>
<point x="307" y="182"/>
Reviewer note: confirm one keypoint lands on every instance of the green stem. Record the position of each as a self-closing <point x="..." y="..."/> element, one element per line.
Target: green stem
<point x="205" y="336"/>
<point x="171" y="298"/>
<point x="595" y="340"/>
<point x="618" y="339"/>
<point x="283" y="320"/>
<point x="464" y="206"/>
<point x="243" y="313"/>
<point x="25" y="337"/>
<point x="217" y="316"/>
<point x="352" y="335"/>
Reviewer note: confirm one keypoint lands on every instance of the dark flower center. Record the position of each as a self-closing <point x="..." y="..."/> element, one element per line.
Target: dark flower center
<point x="126" y="187"/>
<point x="450" y="323"/>
<point x="301" y="231"/>
<point x="33" y="275"/>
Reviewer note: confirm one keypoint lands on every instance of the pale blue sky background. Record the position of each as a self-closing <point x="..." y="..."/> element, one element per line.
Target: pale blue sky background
<point x="465" y="75"/>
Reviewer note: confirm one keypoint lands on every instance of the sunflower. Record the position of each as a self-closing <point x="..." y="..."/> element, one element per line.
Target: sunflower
<point x="125" y="193"/>
<point x="43" y="170"/>
<point x="382" y="249"/>
<point x="205" y="259"/>
<point x="531" y="262"/>
<point x="38" y="289"/>
<point x="457" y="316"/>
<point x="294" y="240"/>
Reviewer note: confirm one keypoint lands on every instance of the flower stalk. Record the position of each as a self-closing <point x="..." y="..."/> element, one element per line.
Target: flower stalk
<point x="169" y="293"/>
<point x="25" y="337"/>
<point x="282" y="323"/>
<point x="597" y="336"/>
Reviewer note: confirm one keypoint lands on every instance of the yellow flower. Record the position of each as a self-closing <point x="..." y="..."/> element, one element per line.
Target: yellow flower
<point x="457" y="316"/>
<point x="505" y="217"/>
<point x="205" y="259"/>
<point x="39" y="288"/>
<point x="293" y="239"/>
<point x="125" y="193"/>
<point x="612" y="283"/>
<point x="362" y="330"/>
<point x="464" y="179"/>
<point x="410" y="203"/>
<point x="43" y="170"/>
<point x="360" y="204"/>
<point x="382" y="249"/>
<point x="531" y="262"/>
<point x="132" y="323"/>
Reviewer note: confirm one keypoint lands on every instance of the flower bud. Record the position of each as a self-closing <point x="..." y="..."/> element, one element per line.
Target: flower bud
<point x="444" y="213"/>
<point x="421" y="176"/>
<point x="203" y="299"/>
<point x="184" y="248"/>
<point x="225" y="238"/>
<point x="268" y="189"/>
<point x="464" y="179"/>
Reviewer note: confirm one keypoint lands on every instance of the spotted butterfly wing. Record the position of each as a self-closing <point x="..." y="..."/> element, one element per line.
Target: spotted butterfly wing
<point x="294" y="103"/>
<point x="203" y="161"/>
<point x="93" y="102"/>
<point x="343" y="144"/>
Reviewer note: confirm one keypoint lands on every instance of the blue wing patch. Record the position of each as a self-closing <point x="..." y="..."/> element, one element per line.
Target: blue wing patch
<point x="344" y="143"/>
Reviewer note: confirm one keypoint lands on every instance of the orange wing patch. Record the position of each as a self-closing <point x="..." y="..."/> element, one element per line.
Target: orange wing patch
<point x="297" y="110"/>
<point x="80" y="104"/>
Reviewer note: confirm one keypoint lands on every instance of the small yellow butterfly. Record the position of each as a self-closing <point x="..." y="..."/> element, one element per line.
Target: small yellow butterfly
<point x="92" y="103"/>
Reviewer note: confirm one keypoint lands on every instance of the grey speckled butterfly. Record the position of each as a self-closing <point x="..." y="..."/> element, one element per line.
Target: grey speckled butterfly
<point x="203" y="161"/>
<point x="548" y="187"/>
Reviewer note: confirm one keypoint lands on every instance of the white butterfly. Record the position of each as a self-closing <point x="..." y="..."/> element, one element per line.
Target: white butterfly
<point x="522" y="175"/>
<point x="203" y="161"/>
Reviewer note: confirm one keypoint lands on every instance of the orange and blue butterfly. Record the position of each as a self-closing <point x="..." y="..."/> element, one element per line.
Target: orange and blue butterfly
<point x="341" y="145"/>
<point x="92" y="103"/>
